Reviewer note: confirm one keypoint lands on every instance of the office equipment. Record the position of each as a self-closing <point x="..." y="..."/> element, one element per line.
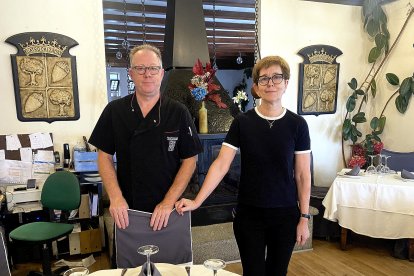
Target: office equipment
<point x="58" y="183"/>
<point x="18" y="196"/>
<point x="85" y="161"/>
<point x="66" y="156"/>
<point x="31" y="184"/>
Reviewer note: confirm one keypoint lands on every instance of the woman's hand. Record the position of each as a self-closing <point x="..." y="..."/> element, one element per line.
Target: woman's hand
<point x="184" y="205"/>
<point x="302" y="231"/>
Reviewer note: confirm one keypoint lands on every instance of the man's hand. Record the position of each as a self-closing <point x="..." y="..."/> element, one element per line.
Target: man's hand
<point x="184" y="205"/>
<point x="302" y="231"/>
<point x="119" y="212"/>
<point x="160" y="216"/>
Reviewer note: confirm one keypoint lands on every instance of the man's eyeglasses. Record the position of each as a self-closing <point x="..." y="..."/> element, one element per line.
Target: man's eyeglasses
<point x="276" y="79"/>
<point x="141" y="70"/>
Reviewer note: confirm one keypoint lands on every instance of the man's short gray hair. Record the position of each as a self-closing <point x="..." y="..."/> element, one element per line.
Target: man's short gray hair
<point x="145" y="47"/>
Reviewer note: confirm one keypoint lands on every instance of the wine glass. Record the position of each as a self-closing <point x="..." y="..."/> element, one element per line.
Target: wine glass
<point x="214" y="264"/>
<point x="385" y="168"/>
<point x="380" y="165"/>
<point x="76" y="271"/>
<point x="371" y="168"/>
<point x="148" y="250"/>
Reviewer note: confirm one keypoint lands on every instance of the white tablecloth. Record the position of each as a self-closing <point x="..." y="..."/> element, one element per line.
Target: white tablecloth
<point x="380" y="206"/>
<point x="165" y="270"/>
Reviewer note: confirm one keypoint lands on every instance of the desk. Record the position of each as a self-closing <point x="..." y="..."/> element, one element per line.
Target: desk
<point x="166" y="269"/>
<point x="378" y="206"/>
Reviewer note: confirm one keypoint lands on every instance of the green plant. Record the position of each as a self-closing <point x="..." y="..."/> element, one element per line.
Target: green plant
<point x="375" y="24"/>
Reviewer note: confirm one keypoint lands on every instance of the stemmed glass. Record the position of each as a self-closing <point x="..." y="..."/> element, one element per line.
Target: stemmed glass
<point x="148" y="250"/>
<point x="380" y="165"/>
<point x="214" y="264"/>
<point x="385" y="169"/>
<point x="371" y="168"/>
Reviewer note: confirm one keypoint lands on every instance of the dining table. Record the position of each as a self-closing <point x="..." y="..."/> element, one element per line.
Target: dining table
<point x="165" y="270"/>
<point x="374" y="205"/>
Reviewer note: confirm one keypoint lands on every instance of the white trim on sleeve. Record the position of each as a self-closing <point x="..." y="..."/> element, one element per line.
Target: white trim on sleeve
<point x="303" y="151"/>
<point x="230" y="146"/>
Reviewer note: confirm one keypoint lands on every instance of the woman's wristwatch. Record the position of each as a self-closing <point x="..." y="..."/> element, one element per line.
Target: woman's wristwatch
<point x="308" y="216"/>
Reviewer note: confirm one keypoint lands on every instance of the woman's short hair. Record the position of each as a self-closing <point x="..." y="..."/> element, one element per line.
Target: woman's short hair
<point x="145" y="47"/>
<point x="269" y="61"/>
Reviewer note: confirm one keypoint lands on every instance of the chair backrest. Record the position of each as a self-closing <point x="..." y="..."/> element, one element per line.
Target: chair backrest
<point x="399" y="160"/>
<point x="61" y="191"/>
<point x="4" y="263"/>
<point x="174" y="241"/>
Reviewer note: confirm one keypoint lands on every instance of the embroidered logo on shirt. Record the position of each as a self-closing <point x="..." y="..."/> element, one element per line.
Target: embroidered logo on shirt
<point x="171" y="142"/>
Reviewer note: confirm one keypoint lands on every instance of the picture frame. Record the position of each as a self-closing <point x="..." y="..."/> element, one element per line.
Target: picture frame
<point x="131" y="86"/>
<point x="318" y="80"/>
<point x="114" y="85"/>
<point x="45" y="77"/>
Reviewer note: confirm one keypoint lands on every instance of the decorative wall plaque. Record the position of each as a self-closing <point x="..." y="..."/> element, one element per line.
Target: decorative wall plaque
<point x="318" y="80"/>
<point x="44" y="75"/>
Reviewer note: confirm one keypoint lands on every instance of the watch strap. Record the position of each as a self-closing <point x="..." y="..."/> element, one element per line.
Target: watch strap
<point x="308" y="216"/>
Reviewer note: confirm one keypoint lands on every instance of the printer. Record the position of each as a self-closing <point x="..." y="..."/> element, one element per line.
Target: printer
<point x="18" y="195"/>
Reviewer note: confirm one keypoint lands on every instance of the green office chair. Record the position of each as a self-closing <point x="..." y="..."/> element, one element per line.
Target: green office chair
<point x="60" y="191"/>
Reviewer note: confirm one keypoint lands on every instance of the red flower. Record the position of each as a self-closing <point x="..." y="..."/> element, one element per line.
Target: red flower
<point x="378" y="146"/>
<point x="357" y="160"/>
<point x="358" y="150"/>
<point x="203" y="78"/>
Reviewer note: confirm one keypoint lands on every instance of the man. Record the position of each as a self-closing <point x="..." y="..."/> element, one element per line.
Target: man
<point x="155" y="142"/>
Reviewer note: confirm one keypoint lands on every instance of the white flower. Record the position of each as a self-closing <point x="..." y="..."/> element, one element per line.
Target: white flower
<point x="198" y="81"/>
<point x="241" y="96"/>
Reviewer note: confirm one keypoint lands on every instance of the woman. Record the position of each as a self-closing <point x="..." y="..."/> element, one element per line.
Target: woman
<point x="275" y="175"/>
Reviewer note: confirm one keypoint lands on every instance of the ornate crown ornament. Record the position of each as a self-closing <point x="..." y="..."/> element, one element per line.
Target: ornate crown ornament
<point x="42" y="46"/>
<point x="321" y="56"/>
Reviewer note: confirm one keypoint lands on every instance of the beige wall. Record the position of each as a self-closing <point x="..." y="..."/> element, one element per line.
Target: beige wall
<point x="78" y="19"/>
<point x="286" y="26"/>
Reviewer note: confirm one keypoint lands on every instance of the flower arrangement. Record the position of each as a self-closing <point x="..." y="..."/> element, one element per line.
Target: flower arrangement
<point x="202" y="87"/>
<point x="360" y="152"/>
<point x="240" y="98"/>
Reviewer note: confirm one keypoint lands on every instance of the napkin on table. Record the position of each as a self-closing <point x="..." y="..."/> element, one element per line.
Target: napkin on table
<point x="406" y="174"/>
<point x="355" y="171"/>
<point x="154" y="270"/>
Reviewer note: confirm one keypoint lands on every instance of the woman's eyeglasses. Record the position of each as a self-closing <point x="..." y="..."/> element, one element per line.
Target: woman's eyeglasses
<point x="276" y="79"/>
<point x="141" y="70"/>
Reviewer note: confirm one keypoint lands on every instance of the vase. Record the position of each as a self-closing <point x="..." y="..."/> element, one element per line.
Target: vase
<point x="202" y="119"/>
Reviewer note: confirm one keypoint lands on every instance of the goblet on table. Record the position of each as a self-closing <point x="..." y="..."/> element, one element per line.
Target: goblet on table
<point x="214" y="264"/>
<point x="380" y="165"/>
<point x="371" y="168"/>
<point x="148" y="250"/>
<point x="385" y="168"/>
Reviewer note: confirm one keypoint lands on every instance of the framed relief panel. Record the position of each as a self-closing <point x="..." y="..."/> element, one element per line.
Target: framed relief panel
<point x="114" y="85"/>
<point x="44" y="75"/>
<point x="318" y="80"/>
